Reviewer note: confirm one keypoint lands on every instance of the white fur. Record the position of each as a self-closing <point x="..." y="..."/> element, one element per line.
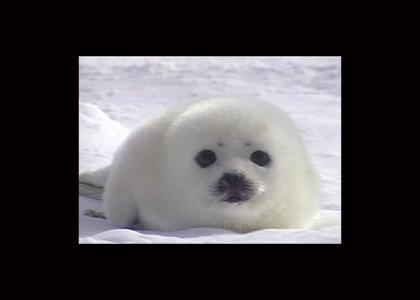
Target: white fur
<point x="155" y="182"/>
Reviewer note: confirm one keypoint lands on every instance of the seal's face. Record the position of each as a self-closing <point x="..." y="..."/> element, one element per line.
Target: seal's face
<point x="233" y="186"/>
<point x="225" y="154"/>
<point x="226" y="166"/>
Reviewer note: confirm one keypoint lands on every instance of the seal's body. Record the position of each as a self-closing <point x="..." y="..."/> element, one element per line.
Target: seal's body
<point x="239" y="165"/>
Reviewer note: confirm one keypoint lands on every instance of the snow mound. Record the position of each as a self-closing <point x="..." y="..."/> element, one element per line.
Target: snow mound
<point x="99" y="137"/>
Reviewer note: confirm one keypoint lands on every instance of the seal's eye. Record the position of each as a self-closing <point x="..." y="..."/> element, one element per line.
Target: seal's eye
<point x="260" y="158"/>
<point x="205" y="158"/>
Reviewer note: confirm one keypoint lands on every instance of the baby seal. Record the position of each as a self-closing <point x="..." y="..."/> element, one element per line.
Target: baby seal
<point x="238" y="165"/>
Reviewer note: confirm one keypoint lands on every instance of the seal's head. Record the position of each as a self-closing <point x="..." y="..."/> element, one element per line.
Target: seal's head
<point x="236" y="160"/>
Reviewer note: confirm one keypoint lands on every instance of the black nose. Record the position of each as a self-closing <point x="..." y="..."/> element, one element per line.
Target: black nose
<point x="232" y="179"/>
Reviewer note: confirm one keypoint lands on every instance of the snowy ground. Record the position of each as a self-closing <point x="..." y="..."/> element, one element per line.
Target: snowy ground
<point x="116" y="94"/>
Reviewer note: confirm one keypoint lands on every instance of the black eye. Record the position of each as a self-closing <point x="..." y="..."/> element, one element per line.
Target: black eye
<point x="205" y="158"/>
<point x="260" y="158"/>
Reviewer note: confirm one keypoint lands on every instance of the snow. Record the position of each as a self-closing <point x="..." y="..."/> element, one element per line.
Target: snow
<point x="117" y="94"/>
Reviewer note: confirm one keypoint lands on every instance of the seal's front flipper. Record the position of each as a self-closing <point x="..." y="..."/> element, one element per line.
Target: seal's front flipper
<point x="91" y="191"/>
<point x="92" y="184"/>
<point x="94" y="214"/>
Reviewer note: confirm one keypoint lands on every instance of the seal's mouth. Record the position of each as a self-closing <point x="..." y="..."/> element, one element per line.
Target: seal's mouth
<point x="235" y="197"/>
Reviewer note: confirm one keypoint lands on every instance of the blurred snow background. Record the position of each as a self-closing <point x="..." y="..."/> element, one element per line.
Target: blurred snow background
<point x="117" y="94"/>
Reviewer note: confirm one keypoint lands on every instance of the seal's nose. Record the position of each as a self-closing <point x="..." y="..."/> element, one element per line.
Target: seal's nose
<point x="232" y="179"/>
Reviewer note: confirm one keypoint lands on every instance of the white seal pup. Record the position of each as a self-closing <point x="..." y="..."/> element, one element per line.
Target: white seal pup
<point x="228" y="163"/>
